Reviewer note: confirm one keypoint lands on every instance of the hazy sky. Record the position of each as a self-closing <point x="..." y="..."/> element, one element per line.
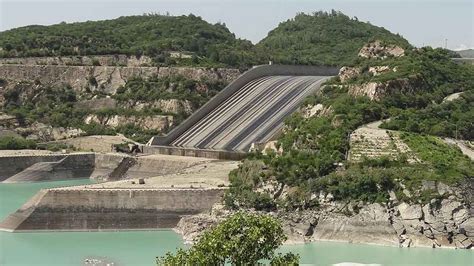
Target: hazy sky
<point x="422" y="22"/>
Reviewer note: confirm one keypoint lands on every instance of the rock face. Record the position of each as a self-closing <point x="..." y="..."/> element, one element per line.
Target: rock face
<point x="347" y="73"/>
<point x="8" y="121"/>
<point x="378" y="50"/>
<point x="449" y="225"/>
<point x="41" y="132"/>
<point x="155" y="122"/>
<point x="173" y="106"/>
<point x="377" y="70"/>
<point x="106" y="79"/>
<point x="99" y="60"/>
<point x="377" y="90"/>
<point x="446" y="223"/>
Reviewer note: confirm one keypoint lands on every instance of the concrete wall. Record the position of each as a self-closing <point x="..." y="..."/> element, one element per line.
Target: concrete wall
<point x="15" y="169"/>
<point x="96" y="209"/>
<point x="69" y="167"/>
<point x="254" y="73"/>
<point x="11" y="165"/>
<point x="211" y="154"/>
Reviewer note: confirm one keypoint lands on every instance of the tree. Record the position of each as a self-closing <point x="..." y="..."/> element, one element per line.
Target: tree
<point x="242" y="239"/>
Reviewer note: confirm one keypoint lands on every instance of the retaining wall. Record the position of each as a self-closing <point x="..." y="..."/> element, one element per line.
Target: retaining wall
<point x="190" y="152"/>
<point x="254" y="73"/>
<point x="70" y="167"/>
<point x="97" y="209"/>
<point x="12" y="165"/>
<point x="84" y="165"/>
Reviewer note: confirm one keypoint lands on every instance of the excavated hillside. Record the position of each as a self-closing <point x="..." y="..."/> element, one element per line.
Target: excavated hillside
<point x="101" y="95"/>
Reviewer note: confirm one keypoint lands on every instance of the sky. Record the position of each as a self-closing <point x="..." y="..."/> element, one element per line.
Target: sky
<point x="422" y="22"/>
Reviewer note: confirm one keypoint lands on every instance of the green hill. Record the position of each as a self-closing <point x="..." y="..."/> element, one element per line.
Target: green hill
<point x="322" y="38"/>
<point x="152" y="35"/>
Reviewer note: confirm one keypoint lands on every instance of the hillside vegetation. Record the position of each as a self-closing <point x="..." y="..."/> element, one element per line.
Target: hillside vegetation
<point x="152" y="35"/>
<point x="312" y="152"/>
<point x="319" y="38"/>
<point x="60" y="106"/>
<point x="322" y="38"/>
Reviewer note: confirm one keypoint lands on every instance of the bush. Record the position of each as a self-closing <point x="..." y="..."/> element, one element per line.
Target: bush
<point x="16" y="143"/>
<point x="242" y="239"/>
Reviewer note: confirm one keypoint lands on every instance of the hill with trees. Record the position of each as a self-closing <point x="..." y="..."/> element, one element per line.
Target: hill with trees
<point x="322" y="38"/>
<point x="152" y="35"/>
<point x="319" y="38"/>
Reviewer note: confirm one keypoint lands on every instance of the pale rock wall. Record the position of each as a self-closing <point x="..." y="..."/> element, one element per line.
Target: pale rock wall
<point x="155" y="122"/>
<point x="377" y="90"/>
<point x="108" y="78"/>
<point x="102" y="60"/>
<point x="378" y="50"/>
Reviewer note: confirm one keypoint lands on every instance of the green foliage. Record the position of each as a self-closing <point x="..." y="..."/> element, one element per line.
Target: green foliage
<point x="244" y="180"/>
<point x="57" y="106"/>
<point x="169" y="87"/>
<point x="151" y="35"/>
<point x="449" y="119"/>
<point x="322" y="38"/>
<point x="16" y="143"/>
<point x="447" y="161"/>
<point x="242" y="239"/>
<point x="314" y="149"/>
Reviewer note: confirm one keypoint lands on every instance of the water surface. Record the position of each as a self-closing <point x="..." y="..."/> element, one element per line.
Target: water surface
<point x="141" y="247"/>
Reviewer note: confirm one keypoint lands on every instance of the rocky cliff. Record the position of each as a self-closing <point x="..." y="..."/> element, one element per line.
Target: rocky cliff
<point x="441" y="223"/>
<point x="98" y="60"/>
<point x="93" y="83"/>
<point x="106" y="79"/>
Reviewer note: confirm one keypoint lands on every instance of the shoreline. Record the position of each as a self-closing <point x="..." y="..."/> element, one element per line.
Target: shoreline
<point x="287" y="243"/>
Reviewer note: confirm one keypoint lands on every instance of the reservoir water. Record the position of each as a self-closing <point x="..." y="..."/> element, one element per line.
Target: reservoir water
<point x="141" y="247"/>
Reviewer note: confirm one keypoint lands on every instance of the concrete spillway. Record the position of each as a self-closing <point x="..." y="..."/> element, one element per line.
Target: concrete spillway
<point x="252" y="114"/>
<point x="250" y="110"/>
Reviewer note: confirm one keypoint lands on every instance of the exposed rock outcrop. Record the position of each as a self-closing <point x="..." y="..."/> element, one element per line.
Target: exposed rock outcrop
<point x="377" y="49"/>
<point x="316" y="110"/>
<point x="378" y="70"/>
<point x="449" y="225"/>
<point x="378" y="90"/>
<point x="106" y="79"/>
<point x="155" y="122"/>
<point x="99" y="60"/>
<point x="41" y="132"/>
<point x="347" y="73"/>
<point x="173" y="106"/>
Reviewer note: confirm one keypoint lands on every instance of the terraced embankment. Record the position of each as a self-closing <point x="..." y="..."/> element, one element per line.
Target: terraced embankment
<point x="251" y="109"/>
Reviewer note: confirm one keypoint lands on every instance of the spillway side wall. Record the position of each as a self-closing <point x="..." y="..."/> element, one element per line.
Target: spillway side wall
<point x="252" y="74"/>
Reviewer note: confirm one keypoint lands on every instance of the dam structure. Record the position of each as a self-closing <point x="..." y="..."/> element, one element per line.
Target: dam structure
<point x="249" y="110"/>
<point x="154" y="190"/>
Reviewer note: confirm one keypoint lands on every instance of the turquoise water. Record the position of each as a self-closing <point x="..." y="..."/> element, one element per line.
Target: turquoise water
<point x="141" y="247"/>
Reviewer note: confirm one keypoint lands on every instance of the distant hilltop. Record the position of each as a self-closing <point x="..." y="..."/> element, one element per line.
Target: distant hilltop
<point x="469" y="53"/>
<point x="319" y="38"/>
